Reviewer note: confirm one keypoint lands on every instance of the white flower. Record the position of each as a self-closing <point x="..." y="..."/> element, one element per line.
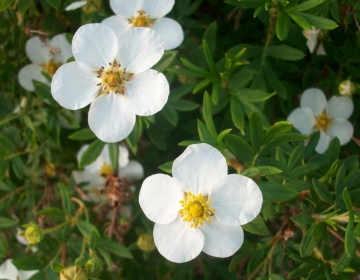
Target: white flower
<point x="75" y="5"/>
<point x="346" y="88"/>
<point x="129" y="169"/>
<point x="315" y="113"/>
<point x="114" y="76"/>
<point x="146" y="13"/>
<point x="22" y="105"/>
<point x="48" y="57"/>
<point x="22" y="240"/>
<point x="312" y="40"/>
<point x="8" y="271"/>
<point x="200" y="208"/>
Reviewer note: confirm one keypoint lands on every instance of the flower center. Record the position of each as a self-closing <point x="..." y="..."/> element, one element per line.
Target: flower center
<point x="346" y="88"/>
<point x="142" y="20"/>
<point x="113" y="78"/>
<point x="323" y="121"/>
<point x="51" y="66"/>
<point x="106" y="170"/>
<point x="196" y="209"/>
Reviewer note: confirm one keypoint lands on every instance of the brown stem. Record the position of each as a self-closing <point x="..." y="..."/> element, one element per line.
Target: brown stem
<point x="113" y="222"/>
<point x="63" y="253"/>
<point x="338" y="236"/>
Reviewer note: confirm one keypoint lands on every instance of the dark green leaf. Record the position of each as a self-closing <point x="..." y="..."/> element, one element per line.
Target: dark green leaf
<point x="278" y="129"/>
<point x="197" y="70"/>
<point x="91" y="153"/>
<point x="204" y="133"/>
<point x="208" y="116"/>
<point x="350" y="244"/>
<point x="114" y="155"/>
<point x="253" y="95"/>
<point x="256" y="131"/>
<point x="115" y="248"/>
<point x="65" y="197"/>
<point x="18" y="167"/>
<point x="284" y="52"/>
<point x="322" y="191"/>
<point x="237" y="113"/>
<point x="83" y="134"/>
<point x="308" y="243"/>
<point x="303" y="219"/>
<point x="23" y="5"/>
<point x="343" y="263"/>
<point x="54" y="3"/>
<point x="253" y="172"/>
<point x="304" y="6"/>
<point x="302" y="270"/>
<point x="56" y="266"/>
<point x="281" y="140"/>
<point x="28" y="263"/>
<point x="87" y="228"/>
<point x="239" y="148"/>
<point x="166" y="61"/>
<point x="4" y="4"/>
<point x="283" y="24"/>
<point x="276" y="192"/>
<point x="210" y="36"/>
<point x="273" y="80"/>
<point x="167" y="167"/>
<point x="7" y="222"/>
<point x="301" y="21"/>
<point x="256" y="226"/>
<point x="319" y="22"/>
<point x="132" y="139"/>
<point x="209" y="58"/>
<point x="3" y="247"/>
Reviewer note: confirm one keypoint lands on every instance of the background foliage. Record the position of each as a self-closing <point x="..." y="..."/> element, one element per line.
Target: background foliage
<point x="234" y="80"/>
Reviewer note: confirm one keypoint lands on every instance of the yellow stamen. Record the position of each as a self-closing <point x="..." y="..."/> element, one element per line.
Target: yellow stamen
<point x="323" y="121"/>
<point x="51" y="66"/>
<point x="106" y="170"/>
<point x="142" y="20"/>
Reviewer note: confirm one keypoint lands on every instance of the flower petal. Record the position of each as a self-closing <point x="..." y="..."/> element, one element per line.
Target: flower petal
<point x="133" y="171"/>
<point x="340" y="107"/>
<point x="73" y="87"/>
<point x="321" y="50"/>
<point x="59" y="41"/>
<point x="160" y="197"/>
<point x="303" y="120"/>
<point x="314" y="99"/>
<point x="123" y="156"/>
<point x="30" y="73"/>
<point x="94" y="46"/>
<point x="148" y="92"/>
<point x="95" y="181"/>
<point x="323" y="143"/>
<point x="118" y="24"/>
<point x="198" y="167"/>
<point x="126" y="8"/>
<point x="158" y="8"/>
<point x="341" y="129"/>
<point x="239" y="204"/>
<point x="8" y="270"/>
<point x="36" y="50"/>
<point x="221" y="241"/>
<point x="177" y="241"/>
<point x="170" y="31"/>
<point x="25" y="275"/>
<point x="139" y="49"/>
<point x="111" y="117"/>
<point x="75" y="5"/>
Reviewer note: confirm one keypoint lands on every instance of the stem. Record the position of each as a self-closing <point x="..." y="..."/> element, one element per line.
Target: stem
<point x="49" y="230"/>
<point x="338" y="236"/>
<point x="271" y="29"/>
<point x="82" y="207"/>
<point x="113" y="221"/>
<point x="11" y="194"/>
<point x="54" y="258"/>
<point x="9" y="119"/>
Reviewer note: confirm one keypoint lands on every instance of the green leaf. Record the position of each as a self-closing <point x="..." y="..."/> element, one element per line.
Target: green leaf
<point x="208" y="116"/>
<point x="7" y="222"/>
<point x="268" y="147"/>
<point x="302" y="270"/>
<point x="82" y="135"/>
<point x="285" y="52"/>
<point x="209" y="58"/>
<point x="322" y="191"/>
<point x="56" y="266"/>
<point x="278" y="129"/>
<point x="23" y="5"/>
<point x="273" y="80"/>
<point x="4" y="4"/>
<point x="157" y="137"/>
<point x="3" y="247"/>
<point x="256" y="226"/>
<point x="308" y="243"/>
<point x="116" y="248"/>
<point x="6" y="148"/>
<point x="184" y="105"/>
<point x="167" y="167"/>
<point x="50" y="211"/>
<point x="322" y="23"/>
<point x="91" y="153"/>
<point x="204" y="133"/>
<point x="189" y="142"/>
<point x="197" y="70"/>
<point x="304" y="6"/>
<point x="65" y="197"/>
<point x="210" y="36"/>
<point x="305" y="169"/>
<point x="170" y="114"/>
<point x="28" y="263"/>
<point x="239" y="148"/>
<point x="114" y="155"/>
<point x="301" y="21"/>
<point x="253" y="95"/>
<point x="256" y="131"/>
<point x="283" y="24"/>
<point x="347" y="199"/>
<point x="18" y="167"/>
<point x="303" y="219"/>
<point x="350" y="243"/>
<point x="166" y="61"/>
<point x="202" y="84"/>
<point x="253" y="172"/>
<point x="87" y="228"/>
<point x="222" y="134"/>
<point x="132" y="139"/>
<point x="54" y="3"/>
<point x="276" y="192"/>
<point x="237" y="113"/>
<point x="343" y="263"/>
<point x="296" y="156"/>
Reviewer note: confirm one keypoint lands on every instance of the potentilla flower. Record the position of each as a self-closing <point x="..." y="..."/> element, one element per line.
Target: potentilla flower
<point x="346" y="88"/>
<point x="114" y="76"/>
<point x="95" y="173"/>
<point x="146" y="13"/>
<point x="200" y="208"/>
<point x="45" y="56"/>
<point x="312" y="40"/>
<point x="315" y="113"/>
<point x="75" y="5"/>
<point x="8" y="271"/>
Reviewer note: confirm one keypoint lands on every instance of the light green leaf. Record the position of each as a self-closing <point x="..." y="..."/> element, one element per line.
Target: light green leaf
<point x="283" y="24"/>
<point x="7" y="222"/>
<point x="4" y="4"/>
<point x="167" y="167"/>
<point x="114" y="155"/>
<point x="87" y="228"/>
<point x="301" y="21"/>
<point x="304" y="6"/>
<point x="278" y="129"/>
<point x="322" y="23"/>
<point x="285" y="52"/>
<point x="83" y="134"/>
<point x="209" y="58"/>
<point x="253" y="95"/>
<point x="208" y="116"/>
<point x="253" y="172"/>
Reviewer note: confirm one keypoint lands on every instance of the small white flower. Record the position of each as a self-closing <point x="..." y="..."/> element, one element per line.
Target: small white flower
<point x="46" y="57"/>
<point x="22" y="105"/>
<point x="312" y="40"/>
<point x="146" y="13"/>
<point x="95" y="173"/>
<point x="200" y="208"/>
<point x="114" y="76"/>
<point x="75" y="5"/>
<point x="22" y="240"/>
<point x="346" y="88"/>
<point x="315" y="113"/>
<point x="8" y="271"/>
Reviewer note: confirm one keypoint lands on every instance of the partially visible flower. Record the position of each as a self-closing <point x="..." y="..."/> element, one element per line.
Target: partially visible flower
<point x="33" y="234"/>
<point x="45" y="56"/>
<point x="96" y="172"/>
<point x="88" y="6"/>
<point x="312" y="40"/>
<point x="8" y="271"/>
<point x="22" y="105"/>
<point x="73" y="273"/>
<point x="22" y="240"/>
<point x="200" y="208"/>
<point x="315" y="113"/>
<point x="114" y="76"/>
<point x="75" y="5"/>
<point x="93" y="267"/>
<point x="145" y="242"/>
<point x="146" y="13"/>
<point x="346" y="88"/>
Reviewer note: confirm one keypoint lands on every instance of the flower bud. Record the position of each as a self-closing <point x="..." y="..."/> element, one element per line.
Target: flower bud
<point x="33" y="234"/>
<point x="93" y="267"/>
<point x="346" y="88"/>
<point x="50" y="170"/>
<point x="73" y="273"/>
<point x="146" y="242"/>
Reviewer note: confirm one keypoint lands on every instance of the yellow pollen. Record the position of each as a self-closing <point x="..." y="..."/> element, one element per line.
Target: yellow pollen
<point x="142" y="20"/>
<point x="196" y="209"/>
<point x="106" y="170"/>
<point x="323" y="121"/>
<point x="51" y="67"/>
<point x="113" y="79"/>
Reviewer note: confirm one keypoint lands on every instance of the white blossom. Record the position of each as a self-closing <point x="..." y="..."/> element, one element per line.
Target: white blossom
<point x="8" y="271"/>
<point x="75" y="5"/>
<point x="312" y="40"/>
<point x="346" y="88"/>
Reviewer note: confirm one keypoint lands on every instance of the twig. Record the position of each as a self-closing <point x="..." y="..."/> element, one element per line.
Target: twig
<point x="338" y="236"/>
